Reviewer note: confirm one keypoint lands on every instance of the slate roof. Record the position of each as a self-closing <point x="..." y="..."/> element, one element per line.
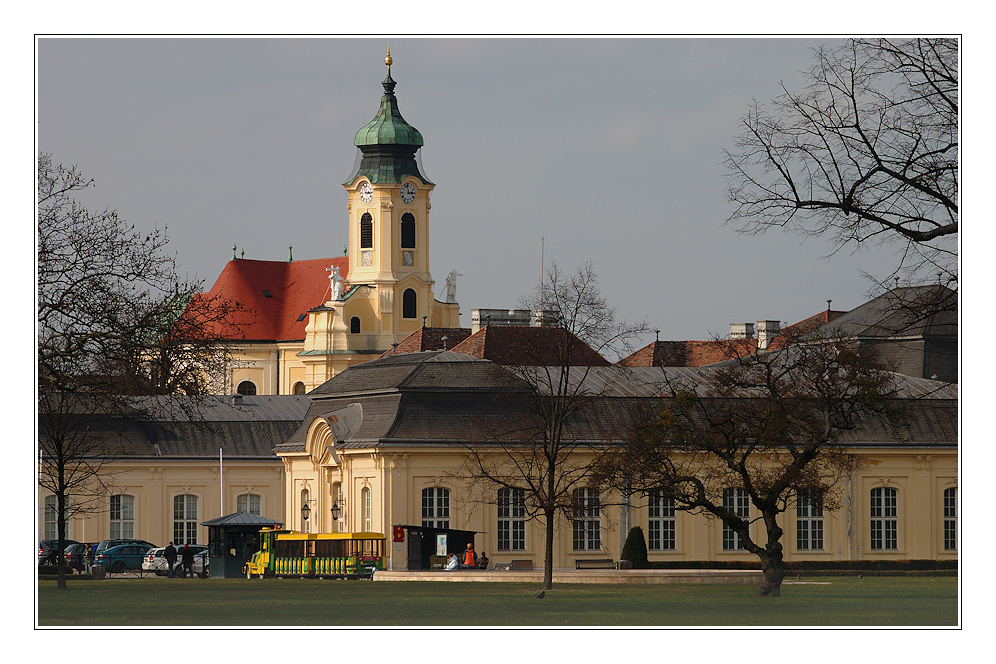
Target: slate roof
<point x="293" y="287"/>
<point x="446" y="398"/>
<point x="922" y="311"/>
<point x="249" y="431"/>
<point x="241" y="519"/>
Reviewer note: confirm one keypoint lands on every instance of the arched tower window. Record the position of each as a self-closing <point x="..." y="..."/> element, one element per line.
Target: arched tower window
<point x="409" y="304"/>
<point x="354" y="325"/>
<point x="366" y="231"/>
<point x="299" y="388"/>
<point x="407" y="231"/>
<point x="246" y="387"/>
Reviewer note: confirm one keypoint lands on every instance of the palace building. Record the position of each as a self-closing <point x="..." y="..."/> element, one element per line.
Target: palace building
<point x="361" y="339"/>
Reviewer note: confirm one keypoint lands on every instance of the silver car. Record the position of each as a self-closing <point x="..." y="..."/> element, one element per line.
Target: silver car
<point x="155" y="561"/>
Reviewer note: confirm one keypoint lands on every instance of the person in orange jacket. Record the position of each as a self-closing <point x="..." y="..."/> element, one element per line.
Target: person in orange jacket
<point x="470" y="556"/>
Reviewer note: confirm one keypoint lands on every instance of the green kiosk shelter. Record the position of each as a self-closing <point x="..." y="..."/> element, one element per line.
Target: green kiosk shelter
<point x="232" y="540"/>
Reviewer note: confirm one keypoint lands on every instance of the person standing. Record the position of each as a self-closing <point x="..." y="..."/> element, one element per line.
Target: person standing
<point x="188" y="561"/>
<point x="170" y="555"/>
<point x="470" y="557"/>
<point x="87" y="558"/>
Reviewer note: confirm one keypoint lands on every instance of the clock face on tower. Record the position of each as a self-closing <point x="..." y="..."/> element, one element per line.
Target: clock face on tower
<point x="366" y="192"/>
<point x="408" y="192"/>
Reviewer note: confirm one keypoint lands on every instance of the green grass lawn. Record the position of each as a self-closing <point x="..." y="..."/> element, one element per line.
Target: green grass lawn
<point x="831" y="601"/>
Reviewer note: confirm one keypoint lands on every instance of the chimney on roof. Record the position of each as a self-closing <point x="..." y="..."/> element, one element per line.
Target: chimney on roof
<point x="741" y="330"/>
<point x="237" y="400"/>
<point x="767" y="330"/>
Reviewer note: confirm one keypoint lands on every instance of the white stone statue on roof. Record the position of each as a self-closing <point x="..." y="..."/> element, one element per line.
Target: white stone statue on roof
<point x="451" y="285"/>
<point x="335" y="279"/>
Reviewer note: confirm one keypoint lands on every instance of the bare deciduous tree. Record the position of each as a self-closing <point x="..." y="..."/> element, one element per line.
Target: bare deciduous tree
<point x="868" y="151"/>
<point x="772" y="426"/>
<point x="114" y="321"/>
<point x="550" y="435"/>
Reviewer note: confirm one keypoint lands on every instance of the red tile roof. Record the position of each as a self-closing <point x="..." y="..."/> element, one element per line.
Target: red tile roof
<point x="293" y="287"/>
<point x="527" y="346"/>
<point x="430" y="338"/>
<point x="701" y="353"/>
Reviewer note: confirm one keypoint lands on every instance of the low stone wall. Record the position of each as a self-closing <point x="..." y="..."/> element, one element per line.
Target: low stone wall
<point x="580" y="576"/>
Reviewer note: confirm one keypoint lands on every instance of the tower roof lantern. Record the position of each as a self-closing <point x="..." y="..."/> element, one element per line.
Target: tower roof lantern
<point x="388" y="127"/>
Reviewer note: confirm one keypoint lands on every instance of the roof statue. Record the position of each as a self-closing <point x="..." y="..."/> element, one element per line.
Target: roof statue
<point x="336" y="283"/>
<point x="451" y="285"/>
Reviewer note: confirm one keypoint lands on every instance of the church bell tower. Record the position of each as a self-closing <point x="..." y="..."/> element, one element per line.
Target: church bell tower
<point x="388" y="203"/>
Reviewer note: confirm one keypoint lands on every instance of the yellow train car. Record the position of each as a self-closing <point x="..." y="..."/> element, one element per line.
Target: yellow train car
<point x="292" y="554"/>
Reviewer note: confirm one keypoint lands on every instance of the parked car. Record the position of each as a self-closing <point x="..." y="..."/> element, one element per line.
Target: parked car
<point x="121" y="557"/>
<point x="47" y="549"/>
<point x="74" y="555"/>
<point x="118" y="542"/>
<point x="154" y="561"/>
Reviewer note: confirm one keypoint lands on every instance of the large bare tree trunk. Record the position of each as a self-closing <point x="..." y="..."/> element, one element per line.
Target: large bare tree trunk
<point x="772" y="561"/>
<point x="548" y="559"/>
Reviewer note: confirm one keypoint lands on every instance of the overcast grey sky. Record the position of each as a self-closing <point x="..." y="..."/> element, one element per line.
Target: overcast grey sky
<point x="607" y="149"/>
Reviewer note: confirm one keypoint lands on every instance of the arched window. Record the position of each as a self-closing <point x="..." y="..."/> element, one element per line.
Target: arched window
<point x="436" y="507"/>
<point x="299" y="388"/>
<point x="185" y="519"/>
<point x="338" y="525"/>
<point x="661" y="523"/>
<point x="884" y="519"/>
<point x="354" y="325"/>
<point x="122" y="517"/>
<point x="950" y="519"/>
<point x="366" y="231"/>
<point x="407" y="231"/>
<point x="409" y="304"/>
<point x="367" y="510"/>
<point x="587" y="520"/>
<point x="305" y="500"/>
<point x="51" y="517"/>
<point x="511" y="519"/>
<point x="246" y="387"/>
<point x="737" y="501"/>
<point x="248" y="502"/>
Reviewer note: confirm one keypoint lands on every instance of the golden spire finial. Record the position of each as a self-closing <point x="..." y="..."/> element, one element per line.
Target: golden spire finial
<point x="388" y="61"/>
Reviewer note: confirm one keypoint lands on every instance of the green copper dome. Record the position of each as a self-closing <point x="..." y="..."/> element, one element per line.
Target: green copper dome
<point x="388" y="127"/>
<point x="387" y="144"/>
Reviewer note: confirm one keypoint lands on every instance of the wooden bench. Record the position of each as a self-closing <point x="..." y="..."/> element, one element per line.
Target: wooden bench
<point x="515" y="564"/>
<point x="594" y="563"/>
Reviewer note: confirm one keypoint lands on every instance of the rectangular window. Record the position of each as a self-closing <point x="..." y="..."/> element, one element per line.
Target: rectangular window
<point x="808" y="522"/>
<point x="185" y="519"/>
<point x="736" y="501"/>
<point x="436" y="507"/>
<point x="587" y="520"/>
<point x="660" y="528"/>
<point x="950" y="519"/>
<point x="884" y="519"/>
<point x="511" y="520"/>
<point x="122" y="517"/>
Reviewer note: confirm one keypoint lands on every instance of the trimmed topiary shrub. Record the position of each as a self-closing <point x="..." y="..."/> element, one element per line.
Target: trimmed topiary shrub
<point x="635" y="548"/>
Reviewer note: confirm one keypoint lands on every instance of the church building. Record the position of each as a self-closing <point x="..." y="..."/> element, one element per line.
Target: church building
<point x="303" y="322"/>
